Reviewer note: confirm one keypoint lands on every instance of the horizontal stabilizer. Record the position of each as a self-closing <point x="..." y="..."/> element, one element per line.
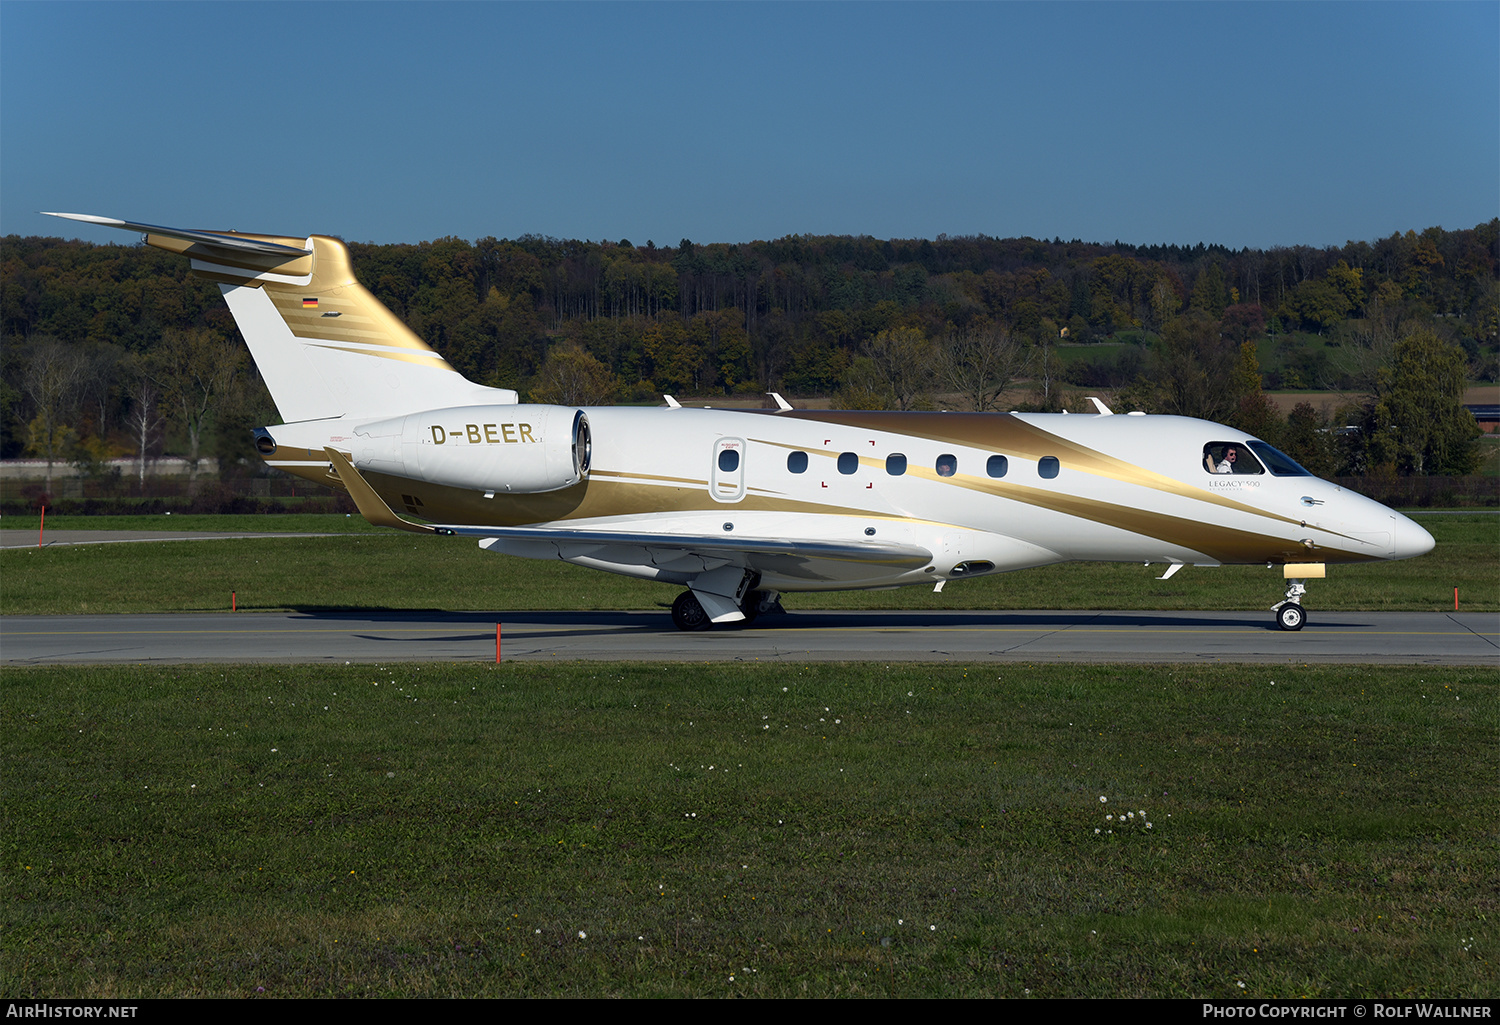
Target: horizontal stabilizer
<point x="208" y="238"/>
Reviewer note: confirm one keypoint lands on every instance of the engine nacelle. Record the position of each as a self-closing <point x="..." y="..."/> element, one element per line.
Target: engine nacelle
<point x="515" y="449"/>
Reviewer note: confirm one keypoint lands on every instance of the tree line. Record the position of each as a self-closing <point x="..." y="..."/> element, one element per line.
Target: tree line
<point x="104" y="343"/>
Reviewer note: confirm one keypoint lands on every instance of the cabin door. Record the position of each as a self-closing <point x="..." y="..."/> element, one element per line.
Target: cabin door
<point x="726" y="479"/>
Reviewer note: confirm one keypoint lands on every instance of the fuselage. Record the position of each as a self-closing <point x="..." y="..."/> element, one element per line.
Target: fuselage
<point x="981" y="492"/>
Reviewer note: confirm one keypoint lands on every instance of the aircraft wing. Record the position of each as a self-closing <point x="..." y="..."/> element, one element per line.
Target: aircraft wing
<point x="707" y="544"/>
<point x="719" y="548"/>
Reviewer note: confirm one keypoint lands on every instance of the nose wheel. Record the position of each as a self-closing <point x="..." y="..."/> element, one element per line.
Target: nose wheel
<point x="1290" y="615"/>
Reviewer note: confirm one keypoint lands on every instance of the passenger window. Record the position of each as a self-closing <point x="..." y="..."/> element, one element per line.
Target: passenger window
<point x="729" y="460"/>
<point x="1047" y="467"/>
<point x="947" y="464"/>
<point x="997" y="466"/>
<point x="848" y="463"/>
<point x="796" y="462"/>
<point x="1230" y="457"/>
<point x="895" y="464"/>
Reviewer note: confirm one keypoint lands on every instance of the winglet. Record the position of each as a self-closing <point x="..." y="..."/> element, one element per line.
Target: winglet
<point x="371" y="506"/>
<point x="671" y="402"/>
<point x="1101" y="407"/>
<point x="782" y="405"/>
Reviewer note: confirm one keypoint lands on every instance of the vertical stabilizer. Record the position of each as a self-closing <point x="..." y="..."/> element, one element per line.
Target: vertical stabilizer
<point x="325" y="346"/>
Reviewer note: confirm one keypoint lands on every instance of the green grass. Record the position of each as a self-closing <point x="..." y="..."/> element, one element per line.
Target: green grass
<point x="859" y="830"/>
<point x="382" y="569"/>
<point x="283" y="523"/>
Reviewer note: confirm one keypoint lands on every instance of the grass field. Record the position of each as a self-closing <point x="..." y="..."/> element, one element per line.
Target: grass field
<point x="718" y="830"/>
<point x="383" y="569"/>
<point x="639" y="830"/>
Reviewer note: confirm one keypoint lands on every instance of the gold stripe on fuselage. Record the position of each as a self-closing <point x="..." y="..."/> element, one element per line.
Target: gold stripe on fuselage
<point x="607" y="497"/>
<point x="1222" y="544"/>
<point x="697" y="482"/>
<point x="1004" y="433"/>
<point x="1248" y="546"/>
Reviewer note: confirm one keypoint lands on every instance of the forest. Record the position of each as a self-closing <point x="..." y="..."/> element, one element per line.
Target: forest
<point x="114" y="350"/>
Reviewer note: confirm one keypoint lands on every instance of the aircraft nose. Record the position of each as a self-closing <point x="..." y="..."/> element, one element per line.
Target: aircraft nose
<point x="1411" y="539"/>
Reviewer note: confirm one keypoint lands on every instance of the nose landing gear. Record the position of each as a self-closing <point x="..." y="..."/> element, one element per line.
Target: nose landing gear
<point x="1290" y="615"/>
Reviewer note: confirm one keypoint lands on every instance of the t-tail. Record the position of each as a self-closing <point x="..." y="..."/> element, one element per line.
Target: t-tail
<point x="325" y="346"/>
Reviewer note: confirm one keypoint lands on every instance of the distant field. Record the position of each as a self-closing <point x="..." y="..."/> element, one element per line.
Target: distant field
<point x="828" y="830"/>
<point x="382" y="569"/>
<point x="1489" y="455"/>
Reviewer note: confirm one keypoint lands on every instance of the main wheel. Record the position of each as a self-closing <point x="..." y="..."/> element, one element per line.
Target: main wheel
<point x="1291" y="616"/>
<point x="688" y="614"/>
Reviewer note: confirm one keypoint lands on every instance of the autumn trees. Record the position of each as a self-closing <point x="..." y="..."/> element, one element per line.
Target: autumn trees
<point x="980" y="362"/>
<point x="51" y="380"/>
<point x="1194" y="372"/>
<point x="1415" y="424"/>
<point x="940" y="323"/>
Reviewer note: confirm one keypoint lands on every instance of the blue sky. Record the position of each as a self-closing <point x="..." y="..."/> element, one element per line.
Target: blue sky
<point x="1256" y="124"/>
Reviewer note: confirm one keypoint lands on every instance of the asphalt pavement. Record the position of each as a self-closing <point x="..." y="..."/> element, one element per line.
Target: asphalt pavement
<point x="1414" y="638"/>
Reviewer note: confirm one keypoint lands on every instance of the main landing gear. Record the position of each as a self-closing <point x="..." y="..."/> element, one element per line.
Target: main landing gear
<point x="1290" y="615"/>
<point x="688" y="612"/>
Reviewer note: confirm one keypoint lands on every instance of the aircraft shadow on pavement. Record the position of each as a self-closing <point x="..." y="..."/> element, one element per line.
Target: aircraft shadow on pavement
<point x="515" y="624"/>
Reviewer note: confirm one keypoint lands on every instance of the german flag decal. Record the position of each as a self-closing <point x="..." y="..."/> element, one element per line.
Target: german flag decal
<point x="310" y="304"/>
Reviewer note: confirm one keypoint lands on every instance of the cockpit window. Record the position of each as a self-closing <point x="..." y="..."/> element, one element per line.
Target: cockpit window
<point x="1231" y="457"/>
<point x="1281" y="464"/>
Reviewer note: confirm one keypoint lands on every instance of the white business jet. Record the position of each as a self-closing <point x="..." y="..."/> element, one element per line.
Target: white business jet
<point x="739" y="506"/>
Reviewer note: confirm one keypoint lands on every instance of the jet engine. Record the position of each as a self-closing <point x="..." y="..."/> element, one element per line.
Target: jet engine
<point x="516" y="449"/>
<point x="506" y="449"/>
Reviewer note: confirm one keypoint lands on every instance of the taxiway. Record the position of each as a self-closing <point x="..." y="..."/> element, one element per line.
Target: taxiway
<point x="1429" y="638"/>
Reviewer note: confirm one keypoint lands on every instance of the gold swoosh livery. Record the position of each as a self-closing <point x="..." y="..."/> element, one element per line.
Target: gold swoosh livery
<point x="737" y="505"/>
